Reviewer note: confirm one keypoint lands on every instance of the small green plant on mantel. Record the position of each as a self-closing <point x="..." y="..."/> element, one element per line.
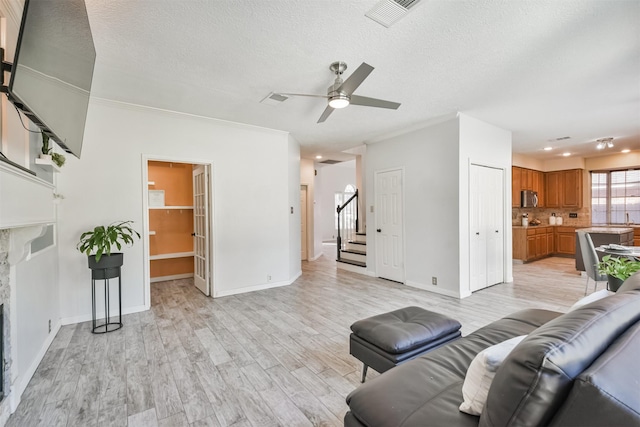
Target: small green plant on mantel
<point x="56" y="158"/>
<point x="99" y="241"/>
<point x="619" y="267"/>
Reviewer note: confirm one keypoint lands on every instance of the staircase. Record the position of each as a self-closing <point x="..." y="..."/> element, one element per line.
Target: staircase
<point x="355" y="252"/>
<point x="351" y="245"/>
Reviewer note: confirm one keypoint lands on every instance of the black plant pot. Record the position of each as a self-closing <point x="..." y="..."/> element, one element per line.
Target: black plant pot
<point x="614" y="283"/>
<point x="108" y="267"/>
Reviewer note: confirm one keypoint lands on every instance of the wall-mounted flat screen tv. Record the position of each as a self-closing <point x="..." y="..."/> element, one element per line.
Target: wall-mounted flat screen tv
<point x="53" y="69"/>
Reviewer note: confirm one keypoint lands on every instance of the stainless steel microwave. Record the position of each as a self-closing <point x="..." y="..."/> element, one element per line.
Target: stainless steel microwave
<point x="528" y="199"/>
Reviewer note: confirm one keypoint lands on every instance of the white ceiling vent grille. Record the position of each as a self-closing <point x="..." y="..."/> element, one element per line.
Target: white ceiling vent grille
<point x="388" y="12"/>
<point x="274" y="99"/>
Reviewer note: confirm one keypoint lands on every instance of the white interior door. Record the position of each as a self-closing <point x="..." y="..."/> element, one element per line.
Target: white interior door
<point x="389" y="225"/>
<point x="201" y="230"/>
<point x="303" y="222"/>
<point x="486" y="214"/>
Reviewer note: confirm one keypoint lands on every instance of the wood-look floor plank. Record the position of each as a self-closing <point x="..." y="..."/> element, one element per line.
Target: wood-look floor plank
<point x="273" y="357"/>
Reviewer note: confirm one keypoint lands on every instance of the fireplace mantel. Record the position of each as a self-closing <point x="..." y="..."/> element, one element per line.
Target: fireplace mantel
<point x="25" y="200"/>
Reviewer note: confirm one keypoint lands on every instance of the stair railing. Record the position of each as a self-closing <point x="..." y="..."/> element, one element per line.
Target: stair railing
<point x="347" y="222"/>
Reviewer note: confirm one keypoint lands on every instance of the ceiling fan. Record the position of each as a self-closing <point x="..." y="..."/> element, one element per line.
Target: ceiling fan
<point x="340" y="93"/>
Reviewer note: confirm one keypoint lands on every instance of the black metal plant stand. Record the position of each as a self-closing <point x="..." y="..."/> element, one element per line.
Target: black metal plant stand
<point x="110" y="271"/>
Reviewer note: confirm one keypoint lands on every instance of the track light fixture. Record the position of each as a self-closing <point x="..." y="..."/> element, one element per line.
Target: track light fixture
<point x="604" y="143"/>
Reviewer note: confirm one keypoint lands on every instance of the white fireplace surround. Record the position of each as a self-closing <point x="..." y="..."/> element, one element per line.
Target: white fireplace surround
<point x="26" y="209"/>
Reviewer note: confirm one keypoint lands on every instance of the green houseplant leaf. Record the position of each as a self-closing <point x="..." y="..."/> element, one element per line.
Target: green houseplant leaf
<point x="99" y="241"/>
<point x="620" y="267"/>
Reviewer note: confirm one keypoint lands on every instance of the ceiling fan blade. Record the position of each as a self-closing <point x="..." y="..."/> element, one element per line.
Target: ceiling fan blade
<point x="373" y="102"/>
<point x="326" y="113"/>
<point x="356" y="78"/>
<point x="301" y="94"/>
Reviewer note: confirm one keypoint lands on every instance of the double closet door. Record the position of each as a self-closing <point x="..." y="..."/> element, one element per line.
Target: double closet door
<point x="486" y="213"/>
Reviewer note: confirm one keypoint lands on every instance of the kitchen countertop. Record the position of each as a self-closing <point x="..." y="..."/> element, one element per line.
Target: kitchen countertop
<point x="547" y="225"/>
<point x="606" y="230"/>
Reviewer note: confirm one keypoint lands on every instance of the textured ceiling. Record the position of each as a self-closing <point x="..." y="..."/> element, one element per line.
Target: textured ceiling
<point x="542" y="69"/>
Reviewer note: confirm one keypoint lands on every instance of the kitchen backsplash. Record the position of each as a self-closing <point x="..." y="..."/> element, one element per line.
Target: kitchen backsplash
<point x="543" y="214"/>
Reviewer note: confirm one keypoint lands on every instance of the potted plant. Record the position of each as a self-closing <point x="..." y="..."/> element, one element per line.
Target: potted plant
<point x="48" y="154"/>
<point x="617" y="269"/>
<point x="98" y="242"/>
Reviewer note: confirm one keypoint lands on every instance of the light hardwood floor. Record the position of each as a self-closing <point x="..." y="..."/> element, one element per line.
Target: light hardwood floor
<point x="267" y="358"/>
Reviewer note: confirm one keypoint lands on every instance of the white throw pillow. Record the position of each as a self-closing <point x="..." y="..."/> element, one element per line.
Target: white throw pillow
<point x="602" y="293"/>
<point x="481" y="372"/>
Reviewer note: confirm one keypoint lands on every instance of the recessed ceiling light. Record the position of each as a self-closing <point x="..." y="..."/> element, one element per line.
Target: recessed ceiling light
<point x="566" y="154"/>
<point x="318" y="157"/>
<point x="626" y="150"/>
<point x="548" y="148"/>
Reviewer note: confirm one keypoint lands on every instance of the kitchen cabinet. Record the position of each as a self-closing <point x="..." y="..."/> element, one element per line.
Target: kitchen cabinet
<point x="532" y="242"/>
<point x="516" y="186"/>
<point x="565" y="240"/>
<point x="526" y="179"/>
<point x="538" y="187"/>
<point x="636" y="236"/>
<point x="563" y="189"/>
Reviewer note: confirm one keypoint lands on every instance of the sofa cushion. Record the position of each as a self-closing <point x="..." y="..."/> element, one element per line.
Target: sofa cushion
<point x="481" y="372"/>
<point x="536" y="378"/>
<point x="608" y="392"/>
<point x="430" y="386"/>
<point x="602" y="293"/>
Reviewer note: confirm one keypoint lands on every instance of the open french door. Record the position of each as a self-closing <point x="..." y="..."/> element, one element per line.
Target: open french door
<point x="201" y="230"/>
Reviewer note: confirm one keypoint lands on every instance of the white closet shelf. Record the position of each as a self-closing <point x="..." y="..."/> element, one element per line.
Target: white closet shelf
<point x="170" y="207"/>
<point x="172" y="255"/>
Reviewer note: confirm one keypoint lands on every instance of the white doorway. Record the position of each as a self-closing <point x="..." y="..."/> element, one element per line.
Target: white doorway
<point x="486" y="216"/>
<point x="178" y="222"/>
<point x="389" y="220"/>
<point x="304" y="238"/>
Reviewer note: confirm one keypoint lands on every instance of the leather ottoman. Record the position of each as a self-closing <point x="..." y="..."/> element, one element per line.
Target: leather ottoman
<point x="389" y="339"/>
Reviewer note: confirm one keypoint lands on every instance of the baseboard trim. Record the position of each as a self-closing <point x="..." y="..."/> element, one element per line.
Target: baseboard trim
<point x="316" y="257"/>
<point x="435" y="289"/>
<point x="87" y="317"/>
<point x="16" y="394"/>
<point x="173" y="277"/>
<point x="218" y="294"/>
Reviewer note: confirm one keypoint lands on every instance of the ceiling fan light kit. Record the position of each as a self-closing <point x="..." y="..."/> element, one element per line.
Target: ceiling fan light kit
<point x="340" y="93"/>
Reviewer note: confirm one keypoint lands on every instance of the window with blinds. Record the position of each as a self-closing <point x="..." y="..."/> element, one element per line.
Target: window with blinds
<point x="615" y="197"/>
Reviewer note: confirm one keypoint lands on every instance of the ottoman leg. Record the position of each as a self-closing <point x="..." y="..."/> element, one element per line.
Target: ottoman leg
<point x="364" y="372"/>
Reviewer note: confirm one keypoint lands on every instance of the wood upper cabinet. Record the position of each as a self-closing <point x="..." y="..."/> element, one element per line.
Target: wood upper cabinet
<point x="572" y="188"/>
<point x="527" y="179"/>
<point x="516" y="186"/>
<point x="552" y="193"/>
<point x="538" y="187"/>
<point x="564" y="189"/>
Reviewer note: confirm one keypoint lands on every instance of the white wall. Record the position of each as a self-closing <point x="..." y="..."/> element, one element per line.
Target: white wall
<point x="252" y="187"/>
<point x="332" y="179"/>
<point x="436" y="162"/>
<point x="429" y="158"/>
<point x="295" y="269"/>
<point x="487" y="145"/>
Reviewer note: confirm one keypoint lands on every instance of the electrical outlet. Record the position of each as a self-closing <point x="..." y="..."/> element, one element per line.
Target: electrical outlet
<point x="434" y="281"/>
<point x="268" y="277"/>
<point x="49" y="325"/>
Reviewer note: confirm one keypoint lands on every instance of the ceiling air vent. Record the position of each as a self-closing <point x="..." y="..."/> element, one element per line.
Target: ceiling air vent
<point x="388" y="12"/>
<point x="330" y="162"/>
<point x="274" y="99"/>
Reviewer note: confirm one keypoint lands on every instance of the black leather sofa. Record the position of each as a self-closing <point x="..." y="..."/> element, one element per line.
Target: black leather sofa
<point x="581" y="368"/>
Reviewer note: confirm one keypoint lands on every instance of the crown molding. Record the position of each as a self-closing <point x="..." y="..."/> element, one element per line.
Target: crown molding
<point x="13" y="10"/>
